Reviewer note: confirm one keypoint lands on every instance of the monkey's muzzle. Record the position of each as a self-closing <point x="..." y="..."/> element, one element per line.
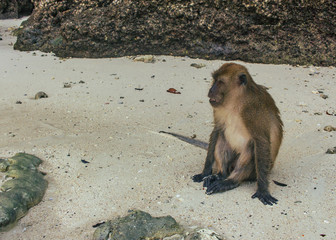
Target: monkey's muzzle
<point x="214" y="102"/>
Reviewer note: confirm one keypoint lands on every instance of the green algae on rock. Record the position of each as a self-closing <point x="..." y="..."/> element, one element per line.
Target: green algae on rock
<point x="24" y="190"/>
<point x="138" y="225"/>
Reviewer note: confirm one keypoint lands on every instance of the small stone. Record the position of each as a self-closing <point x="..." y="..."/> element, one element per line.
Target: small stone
<point x="329" y="128"/>
<point x="198" y="65"/>
<point x="331" y="151"/>
<point x="67" y="85"/>
<point x="41" y="95"/>
<point x="18" y="102"/>
<point x="323" y="96"/>
<point x="145" y="59"/>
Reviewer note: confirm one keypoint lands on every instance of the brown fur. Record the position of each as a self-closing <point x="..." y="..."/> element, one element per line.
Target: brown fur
<point x="246" y="136"/>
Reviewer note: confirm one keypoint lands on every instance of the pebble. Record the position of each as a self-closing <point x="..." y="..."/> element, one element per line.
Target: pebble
<point x="323" y="96"/>
<point x="41" y="95"/>
<point x="331" y="151"/>
<point x="145" y="59"/>
<point x="197" y="65"/>
<point x="329" y="128"/>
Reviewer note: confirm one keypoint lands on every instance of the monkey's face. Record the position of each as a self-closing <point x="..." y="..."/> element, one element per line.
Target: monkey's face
<point x="229" y="80"/>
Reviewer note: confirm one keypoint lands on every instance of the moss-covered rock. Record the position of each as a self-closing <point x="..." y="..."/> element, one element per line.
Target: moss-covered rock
<point x="138" y="225"/>
<point x="24" y="189"/>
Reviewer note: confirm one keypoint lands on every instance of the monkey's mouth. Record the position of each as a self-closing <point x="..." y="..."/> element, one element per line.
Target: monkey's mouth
<point x="214" y="102"/>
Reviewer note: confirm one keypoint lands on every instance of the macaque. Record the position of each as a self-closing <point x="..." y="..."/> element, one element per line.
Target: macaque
<point x="246" y="137"/>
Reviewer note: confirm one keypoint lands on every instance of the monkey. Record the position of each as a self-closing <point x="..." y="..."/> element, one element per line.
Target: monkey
<point x="246" y="137"/>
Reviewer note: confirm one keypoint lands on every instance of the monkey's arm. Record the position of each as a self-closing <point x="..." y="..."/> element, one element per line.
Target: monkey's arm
<point x="262" y="156"/>
<point x="210" y="158"/>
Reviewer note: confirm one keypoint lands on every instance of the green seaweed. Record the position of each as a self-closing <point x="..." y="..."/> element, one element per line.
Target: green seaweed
<point x="25" y="190"/>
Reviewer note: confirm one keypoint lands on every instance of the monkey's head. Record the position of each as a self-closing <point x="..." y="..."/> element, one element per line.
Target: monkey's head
<point x="229" y="79"/>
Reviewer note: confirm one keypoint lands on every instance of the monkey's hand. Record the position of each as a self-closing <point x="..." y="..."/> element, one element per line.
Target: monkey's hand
<point x="210" y="179"/>
<point x="265" y="197"/>
<point x="221" y="185"/>
<point x="198" y="177"/>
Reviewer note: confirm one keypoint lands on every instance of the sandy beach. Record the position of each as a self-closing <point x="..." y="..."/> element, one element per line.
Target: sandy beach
<point x="108" y="112"/>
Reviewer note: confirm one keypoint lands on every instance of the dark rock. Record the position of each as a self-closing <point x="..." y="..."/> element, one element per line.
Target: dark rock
<point x="138" y="225"/>
<point x="299" y="32"/>
<point x="331" y="150"/>
<point x="15" y="8"/>
<point x="41" y="95"/>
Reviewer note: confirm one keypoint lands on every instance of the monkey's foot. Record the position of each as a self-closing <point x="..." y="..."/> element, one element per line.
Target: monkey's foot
<point x="221" y="185"/>
<point x="265" y="197"/>
<point x="198" y="177"/>
<point x="210" y="179"/>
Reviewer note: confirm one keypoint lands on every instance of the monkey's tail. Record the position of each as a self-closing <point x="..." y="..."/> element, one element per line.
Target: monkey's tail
<point x="195" y="142"/>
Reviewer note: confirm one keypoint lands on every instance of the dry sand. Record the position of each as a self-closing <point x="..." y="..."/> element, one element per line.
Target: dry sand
<point x="114" y="127"/>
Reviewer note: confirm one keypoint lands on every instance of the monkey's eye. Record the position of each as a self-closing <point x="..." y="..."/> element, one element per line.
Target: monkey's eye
<point x="243" y="79"/>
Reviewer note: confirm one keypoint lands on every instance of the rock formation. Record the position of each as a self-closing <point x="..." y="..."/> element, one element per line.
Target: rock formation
<point x="15" y="8"/>
<point x="139" y="225"/>
<point x="274" y="31"/>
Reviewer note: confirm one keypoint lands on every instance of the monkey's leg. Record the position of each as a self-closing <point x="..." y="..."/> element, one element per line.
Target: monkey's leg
<point x="210" y="158"/>
<point x="225" y="159"/>
<point x="243" y="168"/>
<point x="263" y="165"/>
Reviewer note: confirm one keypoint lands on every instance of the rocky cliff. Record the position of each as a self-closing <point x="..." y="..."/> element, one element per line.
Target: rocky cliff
<point x="273" y="31"/>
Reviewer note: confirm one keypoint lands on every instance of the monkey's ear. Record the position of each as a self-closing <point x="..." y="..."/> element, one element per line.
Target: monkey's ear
<point x="242" y="79"/>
